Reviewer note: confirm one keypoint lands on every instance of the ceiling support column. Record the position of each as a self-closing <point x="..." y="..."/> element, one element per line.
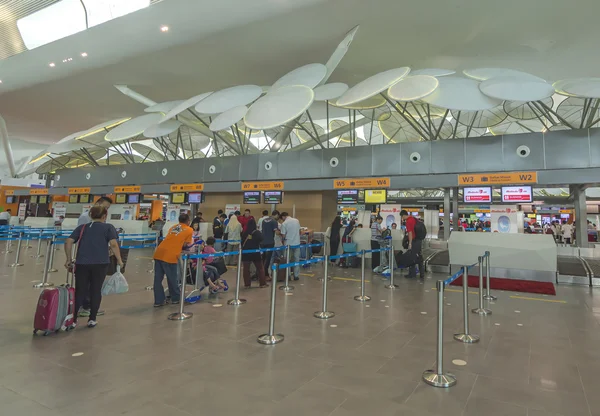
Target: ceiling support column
<point x="7" y="148"/>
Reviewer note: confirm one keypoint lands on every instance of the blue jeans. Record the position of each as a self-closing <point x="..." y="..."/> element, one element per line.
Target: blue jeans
<point x="172" y="271"/>
<point x="294" y="257"/>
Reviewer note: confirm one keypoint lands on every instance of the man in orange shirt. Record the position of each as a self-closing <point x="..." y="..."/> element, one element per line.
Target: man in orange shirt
<point x="166" y="260"/>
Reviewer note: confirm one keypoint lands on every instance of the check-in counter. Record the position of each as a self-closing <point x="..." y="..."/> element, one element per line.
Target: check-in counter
<point x="132" y="226"/>
<point x="39" y="222"/>
<point x="362" y="238"/>
<point x="69" y="223"/>
<point x="512" y="256"/>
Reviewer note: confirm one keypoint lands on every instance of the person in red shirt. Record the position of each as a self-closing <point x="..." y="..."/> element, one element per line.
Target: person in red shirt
<point x="243" y="219"/>
<point x="414" y="244"/>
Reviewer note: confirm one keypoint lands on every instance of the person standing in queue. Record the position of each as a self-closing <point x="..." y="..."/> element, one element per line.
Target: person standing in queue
<point x="243" y="219"/>
<point x="334" y="237"/>
<point x="234" y="235"/>
<point x="414" y="244"/>
<point x="92" y="260"/>
<point x="269" y="227"/>
<point x="166" y="260"/>
<point x="219" y="229"/>
<point x="290" y="235"/>
<point x="251" y="239"/>
<point x="198" y="219"/>
<point x="5" y="217"/>
<point x="376" y="241"/>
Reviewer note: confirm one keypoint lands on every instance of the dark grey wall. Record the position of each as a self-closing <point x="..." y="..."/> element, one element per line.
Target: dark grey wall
<point x="561" y="157"/>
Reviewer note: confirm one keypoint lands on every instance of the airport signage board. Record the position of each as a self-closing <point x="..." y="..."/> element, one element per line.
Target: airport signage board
<point x="262" y="186"/>
<point x="481" y="194"/>
<point x="187" y="187"/>
<point x="10" y="192"/>
<point x="507" y="178"/>
<point x="128" y="189"/>
<point x="39" y="191"/>
<point x="517" y="194"/>
<point x="361" y="183"/>
<point x="78" y="191"/>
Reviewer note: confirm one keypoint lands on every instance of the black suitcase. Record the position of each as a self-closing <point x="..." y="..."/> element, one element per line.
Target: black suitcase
<point x="406" y="259"/>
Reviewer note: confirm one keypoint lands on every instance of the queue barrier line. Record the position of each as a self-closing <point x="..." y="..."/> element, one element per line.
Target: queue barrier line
<point x="297" y="263"/>
<point x="437" y="377"/>
<point x="139" y="246"/>
<point x="227" y="241"/>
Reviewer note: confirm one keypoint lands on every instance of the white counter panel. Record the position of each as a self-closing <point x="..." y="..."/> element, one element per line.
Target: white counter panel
<point x="507" y="251"/>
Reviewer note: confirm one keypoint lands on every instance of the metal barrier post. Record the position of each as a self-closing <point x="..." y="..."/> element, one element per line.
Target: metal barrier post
<point x="325" y="314"/>
<point x="44" y="282"/>
<point x="8" y="248"/>
<point x="391" y="285"/>
<point x="286" y="287"/>
<point x="488" y="295"/>
<point x="28" y="240"/>
<point x="481" y="310"/>
<point x="181" y="315"/>
<point x="52" y="269"/>
<point x="194" y="295"/>
<point x="236" y="300"/>
<point x="271" y="338"/>
<point x="16" y="263"/>
<point x="39" y="247"/>
<point x="437" y="377"/>
<point x="465" y="336"/>
<point x="362" y="297"/>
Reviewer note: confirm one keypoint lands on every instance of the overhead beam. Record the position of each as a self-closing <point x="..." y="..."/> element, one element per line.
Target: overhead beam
<point x="8" y="153"/>
<point x="335" y="133"/>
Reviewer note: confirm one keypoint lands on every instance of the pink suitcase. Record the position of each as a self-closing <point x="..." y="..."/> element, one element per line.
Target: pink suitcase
<point x="55" y="309"/>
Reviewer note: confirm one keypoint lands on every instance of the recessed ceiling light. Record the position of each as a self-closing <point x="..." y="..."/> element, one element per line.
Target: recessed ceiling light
<point x="64" y="61"/>
<point x="51" y="64"/>
<point x="164" y="28"/>
<point x="69" y="59"/>
<point x="84" y="54"/>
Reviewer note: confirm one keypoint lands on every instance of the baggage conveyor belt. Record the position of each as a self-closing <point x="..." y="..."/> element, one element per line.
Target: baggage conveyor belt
<point x="437" y="260"/>
<point x="574" y="270"/>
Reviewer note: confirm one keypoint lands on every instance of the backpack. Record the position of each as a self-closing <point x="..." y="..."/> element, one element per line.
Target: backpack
<point x="420" y="230"/>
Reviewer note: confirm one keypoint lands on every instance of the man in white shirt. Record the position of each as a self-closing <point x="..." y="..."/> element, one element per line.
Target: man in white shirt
<point x="84" y="218"/>
<point x="5" y="217"/>
<point x="261" y="219"/>
<point x="290" y="234"/>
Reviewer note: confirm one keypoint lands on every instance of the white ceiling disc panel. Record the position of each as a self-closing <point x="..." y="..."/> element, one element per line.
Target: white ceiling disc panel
<point x="163" y="107"/>
<point x="511" y="88"/>
<point x="462" y="94"/>
<point x="133" y="127"/>
<point x="413" y="87"/>
<point x="579" y="87"/>
<point x="331" y="91"/>
<point x="433" y="72"/>
<point x="229" y="98"/>
<point x="372" y="86"/>
<point x="228" y="118"/>
<point x="481" y="74"/>
<point x="279" y="107"/>
<point x="308" y="75"/>
<point x="162" y="129"/>
<point x="190" y="102"/>
<point x="71" y="137"/>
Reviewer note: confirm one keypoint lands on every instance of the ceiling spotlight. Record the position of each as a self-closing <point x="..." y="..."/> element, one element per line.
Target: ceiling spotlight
<point x="84" y="54"/>
<point x="164" y="28"/>
<point x="69" y="59"/>
<point x="51" y="64"/>
<point x="64" y="61"/>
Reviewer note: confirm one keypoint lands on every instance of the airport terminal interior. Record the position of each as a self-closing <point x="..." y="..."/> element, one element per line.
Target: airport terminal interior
<point x="310" y="207"/>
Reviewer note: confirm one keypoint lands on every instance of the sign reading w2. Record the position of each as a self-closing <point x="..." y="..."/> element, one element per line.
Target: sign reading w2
<point x="361" y="183"/>
<point x="507" y="178"/>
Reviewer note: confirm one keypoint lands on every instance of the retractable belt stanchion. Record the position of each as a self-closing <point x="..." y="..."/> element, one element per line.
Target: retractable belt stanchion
<point x="324" y="313"/>
<point x="8" y="248"/>
<point x="437" y="377"/>
<point x="286" y="287"/>
<point x="181" y="315"/>
<point x="238" y="280"/>
<point x="39" y="254"/>
<point x="18" y="257"/>
<point x="391" y="258"/>
<point x="155" y="247"/>
<point x="271" y="338"/>
<point x="488" y="295"/>
<point x="194" y="295"/>
<point x="465" y="336"/>
<point x="362" y="297"/>
<point x="28" y="239"/>
<point x="480" y="310"/>
<point x="52" y="269"/>
<point x="44" y="282"/>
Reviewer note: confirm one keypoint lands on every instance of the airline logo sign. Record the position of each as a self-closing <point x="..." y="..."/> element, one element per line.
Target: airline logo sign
<point x="262" y="186"/>
<point x="38" y="191"/>
<point x="497" y="178"/>
<point x="79" y="191"/>
<point x="128" y="189"/>
<point x="8" y="193"/>
<point x="187" y="187"/>
<point x="361" y="183"/>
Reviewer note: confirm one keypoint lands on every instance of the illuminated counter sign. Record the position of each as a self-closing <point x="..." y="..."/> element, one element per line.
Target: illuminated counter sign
<point x="497" y="178"/>
<point x="361" y="183"/>
<point x="262" y="186"/>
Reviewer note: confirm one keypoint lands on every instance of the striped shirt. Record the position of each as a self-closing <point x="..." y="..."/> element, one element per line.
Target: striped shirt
<point x="376" y="231"/>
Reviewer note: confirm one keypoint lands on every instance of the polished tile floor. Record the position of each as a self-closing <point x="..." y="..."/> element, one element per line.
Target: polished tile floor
<point x="536" y="356"/>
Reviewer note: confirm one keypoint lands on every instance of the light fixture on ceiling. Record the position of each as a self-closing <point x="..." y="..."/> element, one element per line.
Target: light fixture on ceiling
<point x="164" y="28"/>
<point x="51" y="64"/>
<point x="84" y="54"/>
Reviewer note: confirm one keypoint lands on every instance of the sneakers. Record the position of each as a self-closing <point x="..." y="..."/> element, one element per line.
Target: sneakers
<point x="84" y="313"/>
<point x="158" y="305"/>
<point x="100" y="312"/>
<point x="92" y="324"/>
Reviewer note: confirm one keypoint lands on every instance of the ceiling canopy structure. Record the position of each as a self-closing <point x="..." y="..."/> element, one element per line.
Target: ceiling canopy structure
<point x="252" y="82"/>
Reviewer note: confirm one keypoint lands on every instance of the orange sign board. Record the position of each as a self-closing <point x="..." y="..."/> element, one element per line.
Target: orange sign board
<point x="9" y="192"/>
<point x="38" y="191"/>
<point x="77" y="191"/>
<point x="507" y="178"/>
<point x="361" y="183"/>
<point x="127" y="189"/>
<point x="262" y="186"/>
<point x="187" y="187"/>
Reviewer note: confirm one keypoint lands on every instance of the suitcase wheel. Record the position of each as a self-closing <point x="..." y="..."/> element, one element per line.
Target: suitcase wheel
<point x="46" y="333"/>
<point x="35" y="331"/>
